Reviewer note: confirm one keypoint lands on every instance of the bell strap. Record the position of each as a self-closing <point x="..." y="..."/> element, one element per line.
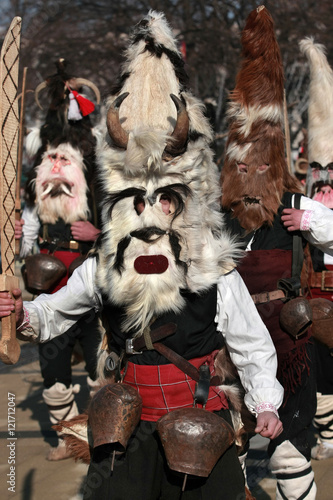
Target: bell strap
<point x="262" y="298"/>
<point x="134" y="346"/>
<point x="182" y="363"/>
<point x="142" y="343"/>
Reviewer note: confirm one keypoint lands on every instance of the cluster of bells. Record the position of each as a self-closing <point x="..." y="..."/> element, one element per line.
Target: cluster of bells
<point x="193" y="438"/>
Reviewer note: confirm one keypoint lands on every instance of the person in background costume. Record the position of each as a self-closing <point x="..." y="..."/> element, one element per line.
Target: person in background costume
<point x="258" y="194"/>
<point x="61" y="214"/>
<point x="319" y="187"/>
<point x="165" y="276"/>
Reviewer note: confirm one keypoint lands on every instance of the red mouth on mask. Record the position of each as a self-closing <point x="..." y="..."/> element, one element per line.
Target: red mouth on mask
<point x="151" y="264"/>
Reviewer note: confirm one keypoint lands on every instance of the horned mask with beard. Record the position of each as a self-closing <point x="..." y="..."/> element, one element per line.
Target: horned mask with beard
<point x="60" y="185"/>
<point x="255" y="174"/>
<point x="162" y="228"/>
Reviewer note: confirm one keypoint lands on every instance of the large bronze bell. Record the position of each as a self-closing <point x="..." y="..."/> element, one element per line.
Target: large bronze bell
<point x="113" y="414"/>
<point x="322" y="326"/>
<point x="296" y="316"/>
<point x="42" y="272"/>
<point x="194" y="439"/>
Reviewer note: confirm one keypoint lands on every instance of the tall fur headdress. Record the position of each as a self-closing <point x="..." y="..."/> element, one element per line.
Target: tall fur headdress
<point x="162" y="227"/>
<point x="320" y="108"/>
<point x="320" y="120"/>
<point x="256" y="135"/>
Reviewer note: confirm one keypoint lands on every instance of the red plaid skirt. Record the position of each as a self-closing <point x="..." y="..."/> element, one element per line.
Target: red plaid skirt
<point x="164" y="388"/>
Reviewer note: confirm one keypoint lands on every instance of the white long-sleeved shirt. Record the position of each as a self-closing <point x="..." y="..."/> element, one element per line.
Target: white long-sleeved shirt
<point x="249" y="343"/>
<point x="319" y="230"/>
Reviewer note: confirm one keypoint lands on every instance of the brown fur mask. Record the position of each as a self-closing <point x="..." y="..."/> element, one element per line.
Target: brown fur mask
<point x="255" y="175"/>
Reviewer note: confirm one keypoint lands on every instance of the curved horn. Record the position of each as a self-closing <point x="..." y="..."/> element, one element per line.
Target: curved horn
<point x="88" y="83"/>
<point x="20" y="94"/>
<point x="177" y="144"/>
<point x="116" y="131"/>
<point x="38" y="89"/>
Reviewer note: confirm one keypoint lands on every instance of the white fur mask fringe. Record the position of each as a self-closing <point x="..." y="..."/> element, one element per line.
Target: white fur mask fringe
<point x="70" y="201"/>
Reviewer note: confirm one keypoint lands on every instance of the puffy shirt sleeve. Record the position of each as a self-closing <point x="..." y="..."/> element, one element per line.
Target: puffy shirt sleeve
<point x="249" y="343"/>
<point x="320" y="225"/>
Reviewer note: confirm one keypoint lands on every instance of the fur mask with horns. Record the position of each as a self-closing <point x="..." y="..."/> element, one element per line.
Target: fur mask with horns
<point x="162" y="228"/>
<point x="63" y="152"/>
<point x="255" y="174"/>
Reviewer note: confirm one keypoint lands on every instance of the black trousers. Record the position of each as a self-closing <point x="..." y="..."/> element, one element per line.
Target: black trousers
<point x="324" y="361"/>
<point x="297" y="412"/>
<point x="142" y="473"/>
<point x="55" y="355"/>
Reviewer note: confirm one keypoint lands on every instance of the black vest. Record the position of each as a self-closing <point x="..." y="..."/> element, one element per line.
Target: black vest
<point x="196" y="333"/>
<point x="61" y="232"/>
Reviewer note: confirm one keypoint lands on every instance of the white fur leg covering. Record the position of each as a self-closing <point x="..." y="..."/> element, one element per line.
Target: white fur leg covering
<point x="295" y="478"/>
<point x="323" y="420"/>
<point x="60" y="401"/>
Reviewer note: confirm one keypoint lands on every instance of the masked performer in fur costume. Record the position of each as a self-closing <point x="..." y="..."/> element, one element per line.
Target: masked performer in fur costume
<point x="319" y="186"/>
<point x="258" y="194"/>
<point x="60" y="213"/>
<point x="164" y="275"/>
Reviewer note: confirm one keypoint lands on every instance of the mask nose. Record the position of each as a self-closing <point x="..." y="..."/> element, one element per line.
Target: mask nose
<point x="56" y="168"/>
<point x="326" y="189"/>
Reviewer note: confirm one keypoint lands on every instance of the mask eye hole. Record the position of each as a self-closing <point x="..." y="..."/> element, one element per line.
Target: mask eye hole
<point x="263" y="167"/>
<point x="165" y="201"/>
<point x="64" y="160"/>
<point x="242" y="168"/>
<point x="139" y="204"/>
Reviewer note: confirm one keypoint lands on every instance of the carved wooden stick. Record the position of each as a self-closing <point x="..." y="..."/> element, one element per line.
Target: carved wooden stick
<point x="19" y="158"/>
<point x="9" y="346"/>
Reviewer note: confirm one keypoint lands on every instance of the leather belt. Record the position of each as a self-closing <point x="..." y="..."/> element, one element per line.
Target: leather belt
<point x="133" y="346"/>
<point x="262" y="298"/>
<point x="70" y="245"/>
<point x="322" y="280"/>
<point x="182" y="363"/>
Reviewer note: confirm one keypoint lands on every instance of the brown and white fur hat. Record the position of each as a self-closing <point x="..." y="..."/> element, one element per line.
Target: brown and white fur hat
<point x="255" y="174"/>
<point x="162" y="228"/>
<point x="319" y="182"/>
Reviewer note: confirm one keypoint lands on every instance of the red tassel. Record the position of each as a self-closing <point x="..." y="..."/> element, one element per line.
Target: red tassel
<point x="86" y="106"/>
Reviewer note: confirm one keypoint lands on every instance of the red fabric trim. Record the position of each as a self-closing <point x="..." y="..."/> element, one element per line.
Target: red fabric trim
<point x="165" y="388"/>
<point x="65" y="257"/>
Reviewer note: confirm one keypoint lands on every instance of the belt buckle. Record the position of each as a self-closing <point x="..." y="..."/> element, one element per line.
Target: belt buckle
<point x="130" y="348"/>
<point x="324" y="288"/>
<point x="73" y="245"/>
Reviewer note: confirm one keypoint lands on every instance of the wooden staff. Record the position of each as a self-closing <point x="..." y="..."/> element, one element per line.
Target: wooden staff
<point x="19" y="158"/>
<point x="9" y="346"/>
